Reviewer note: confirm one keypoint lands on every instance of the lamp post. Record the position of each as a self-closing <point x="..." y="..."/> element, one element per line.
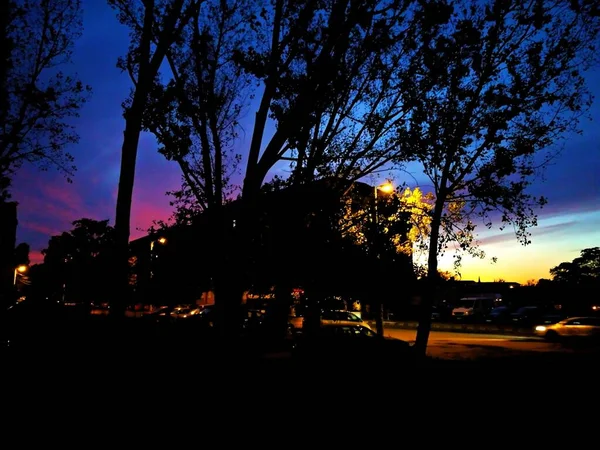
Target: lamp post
<point x="161" y="241"/>
<point x="148" y="291"/>
<point x="386" y="188"/>
<point x="19" y="269"/>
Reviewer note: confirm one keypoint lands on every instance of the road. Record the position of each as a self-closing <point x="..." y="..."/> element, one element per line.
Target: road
<point x="451" y="345"/>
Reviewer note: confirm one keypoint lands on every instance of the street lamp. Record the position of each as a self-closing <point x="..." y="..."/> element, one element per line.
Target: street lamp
<point x="162" y="241"/>
<point x="386" y="188"/>
<point x="19" y="269"/>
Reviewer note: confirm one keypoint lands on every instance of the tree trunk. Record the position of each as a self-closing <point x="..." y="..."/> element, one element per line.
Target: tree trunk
<point x="229" y="255"/>
<point x="131" y="139"/>
<point x="427" y="298"/>
<point x="281" y="312"/>
<point x="378" y="307"/>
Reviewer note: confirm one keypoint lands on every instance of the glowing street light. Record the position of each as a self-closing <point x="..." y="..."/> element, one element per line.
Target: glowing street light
<point x="19" y="269"/>
<point x="162" y="241"/>
<point x="386" y="188"/>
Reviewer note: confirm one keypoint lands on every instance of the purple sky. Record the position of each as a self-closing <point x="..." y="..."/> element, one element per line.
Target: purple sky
<point x="48" y="204"/>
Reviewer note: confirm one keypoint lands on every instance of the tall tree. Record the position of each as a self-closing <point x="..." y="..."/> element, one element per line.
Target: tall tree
<point x="353" y="131"/>
<point x="155" y="25"/>
<point x="311" y="58"/>
<point x="77" y="261"/>
<point x="505" y="82"/>
<point x="37" y="99"/>
<point x="307" y="57"/>
<point x="195" y="116"/>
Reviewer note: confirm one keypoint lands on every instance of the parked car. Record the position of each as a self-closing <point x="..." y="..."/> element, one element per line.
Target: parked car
<point x="336" y="342"/>
<point x="573" y="327"/>
<point x="476" y="308"/>
<point x="330" y="317"/>
<point x="441" y="312"/>
<point x="343" y="318"/>
<point x="498" y="315"/>
<point x="526" y="316"/>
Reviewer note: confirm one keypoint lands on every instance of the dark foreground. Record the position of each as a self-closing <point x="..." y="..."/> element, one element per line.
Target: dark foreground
<point x="93" y="373"/>
<point x="71" y="349"/>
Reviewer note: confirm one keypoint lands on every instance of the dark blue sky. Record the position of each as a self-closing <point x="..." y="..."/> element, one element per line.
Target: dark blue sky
<point x="48" y="204"/>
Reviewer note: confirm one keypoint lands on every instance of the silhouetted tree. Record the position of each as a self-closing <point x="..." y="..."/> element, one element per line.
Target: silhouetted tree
<point x="37" y="100"/>
<point x="22" y="254"/>
<point x="583" y="271"/>
<point x="155" y="26"/>
<point x="318" y="62"/>
<point x="309" y="58"/>
<point x="195" y="116"/>
<point x="504" y="83"/>
<point x="389" y="226"/>
<point x="77" y="262"/>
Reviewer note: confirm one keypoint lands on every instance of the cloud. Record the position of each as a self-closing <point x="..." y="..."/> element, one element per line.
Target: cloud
<point x="40" y="228"/>
<point x="36" y="257"/>
<point x="537" y="231"/>
<point x="143" y="214"/>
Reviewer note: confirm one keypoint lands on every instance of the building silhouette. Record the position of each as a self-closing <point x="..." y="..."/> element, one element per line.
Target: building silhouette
<point x="296" y="243"/>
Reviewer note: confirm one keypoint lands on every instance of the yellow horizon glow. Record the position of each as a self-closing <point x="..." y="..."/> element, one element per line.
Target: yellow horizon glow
<point x="555" y="240"/>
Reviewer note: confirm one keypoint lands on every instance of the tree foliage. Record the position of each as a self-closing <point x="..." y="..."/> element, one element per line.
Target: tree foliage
<point x="402" y="221"/>
<point x="22" y="254"/>
<point x="155" y="25"/>
<point x="504" y="83"/>
<point x="38" y="98"/>
<point x="326" y="77"/>
<point x="195" y="116"/>
<point x="78" y="260"/>
<point x="311" y="58"/>
<point x="582" y="271"/>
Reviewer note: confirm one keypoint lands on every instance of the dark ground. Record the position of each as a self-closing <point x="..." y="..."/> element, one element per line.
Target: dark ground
<point x="93" y="377"/>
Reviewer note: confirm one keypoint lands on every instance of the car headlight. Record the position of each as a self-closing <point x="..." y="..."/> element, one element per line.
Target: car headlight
<point x="540" y="328"/>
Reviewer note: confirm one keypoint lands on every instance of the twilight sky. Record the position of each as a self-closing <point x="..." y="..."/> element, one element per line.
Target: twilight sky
<point x="48" y="204"/>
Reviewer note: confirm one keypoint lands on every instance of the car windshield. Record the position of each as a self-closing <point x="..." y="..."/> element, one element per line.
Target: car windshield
<point x="467" y="303"/>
